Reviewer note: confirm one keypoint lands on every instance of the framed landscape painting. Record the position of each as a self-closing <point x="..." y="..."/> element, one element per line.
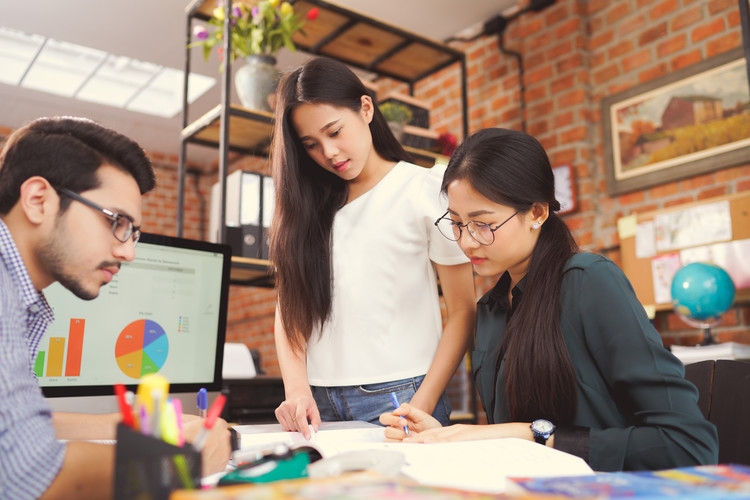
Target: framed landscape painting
<point x="692" y="121"/>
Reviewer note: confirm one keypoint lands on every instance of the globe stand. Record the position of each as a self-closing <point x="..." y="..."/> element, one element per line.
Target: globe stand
<point x="707" y="338"/>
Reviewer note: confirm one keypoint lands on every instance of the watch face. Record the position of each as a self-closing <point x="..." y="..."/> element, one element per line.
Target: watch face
<point x="543" y="426"/>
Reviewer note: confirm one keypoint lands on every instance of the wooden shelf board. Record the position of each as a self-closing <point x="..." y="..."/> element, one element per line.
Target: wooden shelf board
<point x="359" y="40"/>
<point x="249" y="130"/>
<point x="251" y="272"/>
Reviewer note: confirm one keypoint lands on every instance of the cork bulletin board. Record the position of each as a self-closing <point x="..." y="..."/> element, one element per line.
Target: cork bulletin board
<point x="655" y="244"/>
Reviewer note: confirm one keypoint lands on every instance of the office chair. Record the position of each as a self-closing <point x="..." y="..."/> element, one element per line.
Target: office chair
<point x="724" y="398"/>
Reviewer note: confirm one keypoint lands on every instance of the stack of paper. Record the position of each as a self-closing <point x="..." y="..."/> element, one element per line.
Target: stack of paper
<point x="725" y="350"/>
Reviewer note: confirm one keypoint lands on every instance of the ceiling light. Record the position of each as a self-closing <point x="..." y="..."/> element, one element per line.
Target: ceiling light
<point x="70" y="70"/>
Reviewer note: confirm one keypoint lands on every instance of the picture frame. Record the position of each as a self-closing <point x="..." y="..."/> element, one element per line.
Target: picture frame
<point x="693" y="121"/>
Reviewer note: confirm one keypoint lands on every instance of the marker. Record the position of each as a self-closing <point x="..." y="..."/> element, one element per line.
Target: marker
<point x="209" y="421"/>
<point x="125" y="409"/>
<point x="396" y="404"/>
<point x="202" y="401"/>
<point x="177" y="404"/>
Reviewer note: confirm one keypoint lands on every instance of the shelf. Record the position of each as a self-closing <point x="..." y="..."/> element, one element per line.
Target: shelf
<point x="249" y="131"/>
<point x="251" y="272"/>
<point x="426" y="158"/>
<point x="360" y="41"/>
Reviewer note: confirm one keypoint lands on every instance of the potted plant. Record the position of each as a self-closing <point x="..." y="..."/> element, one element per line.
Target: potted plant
<point x="257" y="34"/>
<point x="397" y="115"/>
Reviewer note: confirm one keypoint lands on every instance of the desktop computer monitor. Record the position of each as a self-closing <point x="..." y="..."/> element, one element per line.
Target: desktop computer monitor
<point x="165" y="312"/>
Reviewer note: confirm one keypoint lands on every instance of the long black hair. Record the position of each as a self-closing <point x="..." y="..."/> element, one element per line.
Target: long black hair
<point x="308" y="197"/>
<point x="511" y="168"/>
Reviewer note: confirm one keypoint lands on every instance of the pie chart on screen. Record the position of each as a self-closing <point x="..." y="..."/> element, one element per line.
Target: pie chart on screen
<point x="141" y="348"/>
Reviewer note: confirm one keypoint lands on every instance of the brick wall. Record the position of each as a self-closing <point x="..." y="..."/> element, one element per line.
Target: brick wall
<point x="574" y="54"/>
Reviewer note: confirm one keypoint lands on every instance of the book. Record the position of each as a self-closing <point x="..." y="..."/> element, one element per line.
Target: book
<point x="482" y="465"/>
<point x="725" y="350"/>
<point x="697" y="482"/>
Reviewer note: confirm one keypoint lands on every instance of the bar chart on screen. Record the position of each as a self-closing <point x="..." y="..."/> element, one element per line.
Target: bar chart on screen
<point x="55" y="353"/>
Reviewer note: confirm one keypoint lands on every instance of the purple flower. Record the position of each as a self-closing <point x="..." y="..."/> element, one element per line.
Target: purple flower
<point x="255" y="11"/>
<point x="200" y="33"/>
<point x="237" y="10"/>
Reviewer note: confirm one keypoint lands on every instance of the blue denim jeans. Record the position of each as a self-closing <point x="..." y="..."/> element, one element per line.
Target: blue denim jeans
<point x="368" y="402"/>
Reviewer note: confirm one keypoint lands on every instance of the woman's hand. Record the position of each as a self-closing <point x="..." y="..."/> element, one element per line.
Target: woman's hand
<point x="295" y="413"/>
<point x="406" y="415"/>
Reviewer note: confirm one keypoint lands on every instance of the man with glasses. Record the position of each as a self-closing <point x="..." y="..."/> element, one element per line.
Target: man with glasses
<point x="70" y="211"/>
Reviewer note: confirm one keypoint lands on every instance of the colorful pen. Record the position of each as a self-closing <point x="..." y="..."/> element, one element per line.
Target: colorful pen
<point x="202" y="401"/>
<point x="211" y="417"/>
<point x="177" y="404"/>
<point x="125" y="409"/>
<point x="396" y="404"/>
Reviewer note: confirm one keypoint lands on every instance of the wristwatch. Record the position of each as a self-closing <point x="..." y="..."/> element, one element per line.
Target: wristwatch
<point x="542" y="430"/>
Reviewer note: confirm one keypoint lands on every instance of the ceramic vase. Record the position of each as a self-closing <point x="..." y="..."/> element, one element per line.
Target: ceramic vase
<point x="256" y="81"/>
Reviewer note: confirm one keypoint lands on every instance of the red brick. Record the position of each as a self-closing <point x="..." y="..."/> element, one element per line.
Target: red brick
<point x="707" y="30"/>
<point x="631" y="25"/>
<point x="654" y="72"/>
<point x="662" y="9"/>
<point x="535" y="93"/>
<point x="572" y="98"/>
<point x="716" y="6"/>
<point x="712" y="192"/>
<point x="618" y="12"/>
<point x="560" y="49"/>
<point x="672" y="45"/>
<point x="663" y="191"/>
<point x="568" y="27"/>
<point x="538" y="128"/>
<point x="555" y="14"/>
<point x="567" y="63"/>
<point x="679" y="201"/>
<point x="686" y="17"/>
<point x="698" y="182"/>
<point x="601" y="39"/>
<point x="539" y="75"/>
<point x="563" y="119"/>
<point x="574" y="134"/>
<point x="606" y="74"/>
<point x="564" y="83"/>
<point x="620" y="48"/>
<point x="733" y="19"/>
<point x="723" y="44"/>
<point x="631" y="198"/>
<point x="595" y="6"/>
<point x="637" y="60"/>
<point x="685" y="60"/>
<point x="652" y="34"/>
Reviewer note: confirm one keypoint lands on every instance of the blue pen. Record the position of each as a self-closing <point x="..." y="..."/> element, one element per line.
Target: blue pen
<point x="202" y="402"/>
<point x="395" y="406"/>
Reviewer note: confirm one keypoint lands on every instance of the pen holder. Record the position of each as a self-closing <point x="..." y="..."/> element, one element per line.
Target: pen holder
<point x="147" y="468"/>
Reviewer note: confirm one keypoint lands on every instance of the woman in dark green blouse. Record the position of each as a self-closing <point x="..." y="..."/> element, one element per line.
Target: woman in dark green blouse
<point x="564" y="353"/>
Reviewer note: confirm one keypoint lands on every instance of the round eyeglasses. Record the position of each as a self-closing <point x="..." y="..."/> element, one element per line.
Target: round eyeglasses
<point x="482" y="233"/>
<point x="122" y="225"/>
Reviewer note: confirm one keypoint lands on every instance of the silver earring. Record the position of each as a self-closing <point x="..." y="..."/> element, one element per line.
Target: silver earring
<point x="535" y="225"/>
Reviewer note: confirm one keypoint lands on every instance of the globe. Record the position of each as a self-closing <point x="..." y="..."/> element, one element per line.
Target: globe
<point x="701" y="293"/>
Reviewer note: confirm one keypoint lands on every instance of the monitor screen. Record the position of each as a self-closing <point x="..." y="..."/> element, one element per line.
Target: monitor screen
<point x="164" y="312"/>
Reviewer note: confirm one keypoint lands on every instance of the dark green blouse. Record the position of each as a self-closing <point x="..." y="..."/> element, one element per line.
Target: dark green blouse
<point x="635" y="409"/>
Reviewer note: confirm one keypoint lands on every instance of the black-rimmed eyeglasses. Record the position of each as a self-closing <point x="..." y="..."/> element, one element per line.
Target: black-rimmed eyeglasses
<point x="122" y="225"/>
<point x="482" y="233"/>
